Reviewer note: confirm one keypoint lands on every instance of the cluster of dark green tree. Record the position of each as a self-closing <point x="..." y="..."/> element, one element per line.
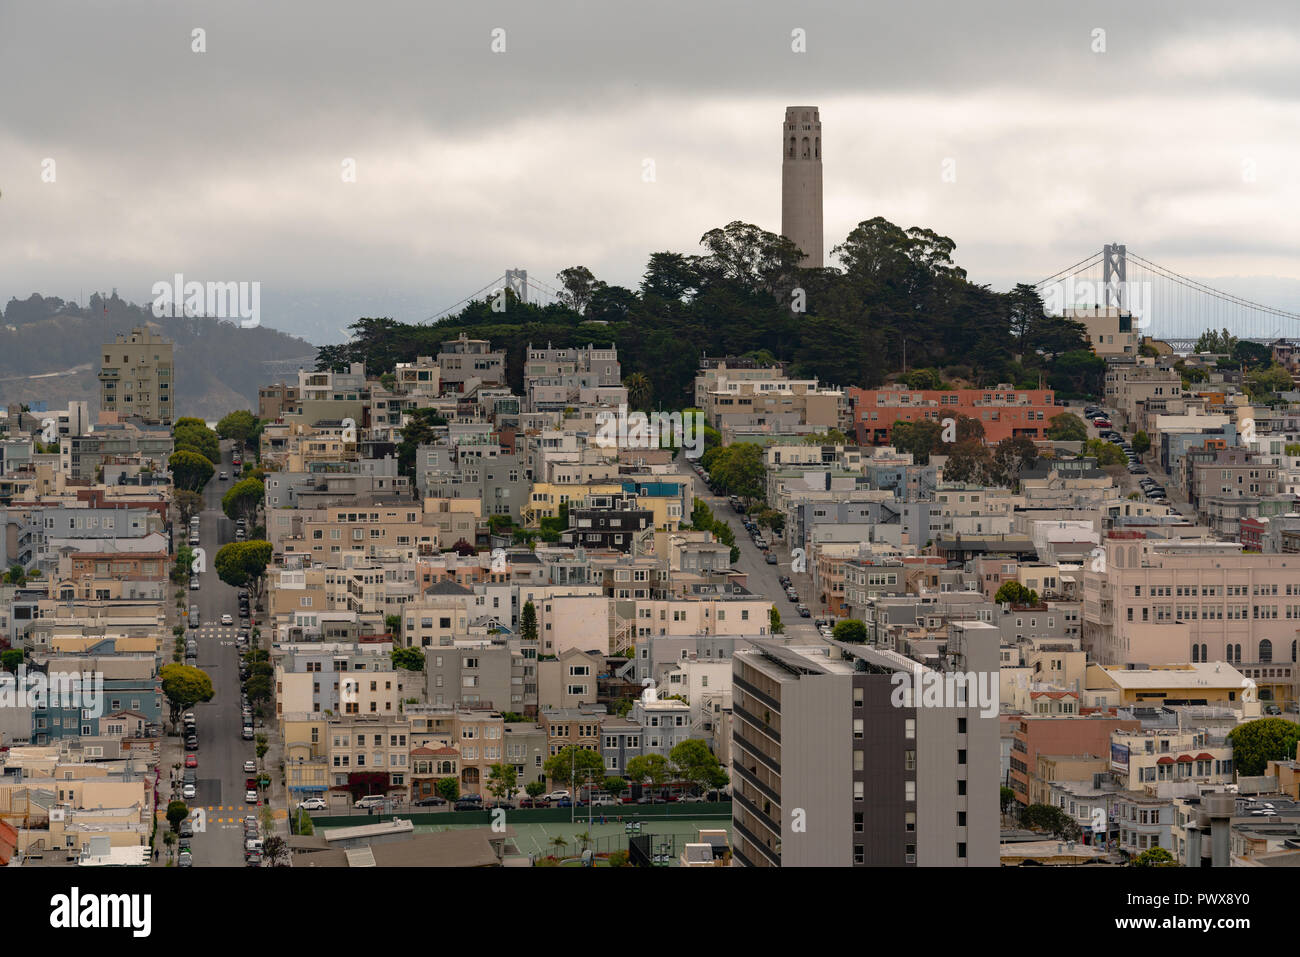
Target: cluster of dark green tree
<point x="196" y="450"/>
<point x="969" y="459"/>
<point x="703" y="520"/>
<point x="894" y="291"/>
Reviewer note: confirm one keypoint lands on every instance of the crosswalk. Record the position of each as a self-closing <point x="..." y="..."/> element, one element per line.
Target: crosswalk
<point x="237" y="812"/>
<point x="211" y="629"/>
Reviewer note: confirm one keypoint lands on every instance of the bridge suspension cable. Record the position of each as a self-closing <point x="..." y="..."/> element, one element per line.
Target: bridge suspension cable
<point x="1211" y="291"/>
<point x="495" y="283"/>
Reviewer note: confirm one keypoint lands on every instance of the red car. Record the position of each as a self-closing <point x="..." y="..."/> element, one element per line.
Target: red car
<point x="1101" y="423"/>
<point x="191" y="760"/>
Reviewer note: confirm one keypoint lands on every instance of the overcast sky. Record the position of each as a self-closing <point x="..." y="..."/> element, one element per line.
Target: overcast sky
<point x="1181" y="139"/>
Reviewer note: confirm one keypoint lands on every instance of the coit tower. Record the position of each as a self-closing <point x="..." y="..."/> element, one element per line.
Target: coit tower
<point x="801" y="182"/>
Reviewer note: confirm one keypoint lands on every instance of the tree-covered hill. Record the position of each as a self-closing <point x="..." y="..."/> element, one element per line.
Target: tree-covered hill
<point x="51" y="350"/>
<point x="893" y="289"/>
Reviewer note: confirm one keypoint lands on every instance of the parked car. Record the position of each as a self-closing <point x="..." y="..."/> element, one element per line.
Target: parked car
<point x="250" y="767"/>
<point x="185" y="859"/>
<point x="530" y="802"/>
<point x="557" y="795"/>
<point x="370" y="800"/>
<point x="250" y="796"/>
<point x="222" y="477"/>
<point x="187" y="828"/>
<point x="313" y="804"/>
<point x="770" y="559"/>
<point x="432" y="800"/>
<point x="192" y="743"/>
<point x="803" y="611"/>
<point x="189" y="792"/>
<point x="1272" y="709"/>
<point x="191" y="760"/>
<point x="194" y="584"/>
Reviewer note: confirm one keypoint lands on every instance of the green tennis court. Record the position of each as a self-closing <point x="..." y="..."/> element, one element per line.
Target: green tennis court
<point x="538" y="840"/>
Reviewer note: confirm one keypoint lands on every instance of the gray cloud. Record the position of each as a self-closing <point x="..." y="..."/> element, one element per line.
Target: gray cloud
<point x="226" y="164"/>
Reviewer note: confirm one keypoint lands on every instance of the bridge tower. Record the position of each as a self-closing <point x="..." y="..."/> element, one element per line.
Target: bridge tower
<point x="1114" y="258"/>
<point x="517" y="282"/>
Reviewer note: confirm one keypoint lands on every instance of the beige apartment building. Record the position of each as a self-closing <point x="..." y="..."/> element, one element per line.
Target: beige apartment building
<point x="1052" y="768"/>
<point x="439" y="616"/>
<point x="1165" y="602"/>
<point x="338" y="678"/>
<point x="325" y="533"/>
<point x="369" y="743"/>
<point x="274" y="401"/>
<point x="137" y="377"/>
<point x="1111" y="332"/>
<point x="770" y="406"/>
<point x="568" y="680"/>
<point x="1159" y="759"/>
<point x="479" y="736"/>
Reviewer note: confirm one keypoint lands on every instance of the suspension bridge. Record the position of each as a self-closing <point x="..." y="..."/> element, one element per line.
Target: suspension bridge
<point x="1164" y="304"/>
<point x="518" y="282"/>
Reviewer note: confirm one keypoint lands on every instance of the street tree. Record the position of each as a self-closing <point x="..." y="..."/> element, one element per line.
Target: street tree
<point x="242" y="500"/>
<point x="850" y="630"/>
<point x="190" y="470"/>
<point x="697" y="764"/>
<point x="502" y="781"/>
<point x="648" y="767"/>
<point x="572" y="766"/>
<point x="243" y="564"/>
<point x="188" y="503"/>
<point x="184" y="686"/>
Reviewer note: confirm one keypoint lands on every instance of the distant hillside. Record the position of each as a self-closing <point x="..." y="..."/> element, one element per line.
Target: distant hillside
<point x="50" y="350"/>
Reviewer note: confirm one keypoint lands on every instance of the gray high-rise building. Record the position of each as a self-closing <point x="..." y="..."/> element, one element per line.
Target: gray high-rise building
<point x="832" y="769"/>
<point x="801" y="182"/>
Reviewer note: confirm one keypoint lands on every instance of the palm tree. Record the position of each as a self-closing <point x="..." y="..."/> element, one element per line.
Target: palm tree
<point x="560" y="844"/>
<point x="639" y="390"/>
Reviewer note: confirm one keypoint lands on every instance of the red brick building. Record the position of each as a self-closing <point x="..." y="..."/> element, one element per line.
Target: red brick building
<point x="1003" y="411"/>
<point x="1251" y="534"/>
<point x="1049" y="734"/>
